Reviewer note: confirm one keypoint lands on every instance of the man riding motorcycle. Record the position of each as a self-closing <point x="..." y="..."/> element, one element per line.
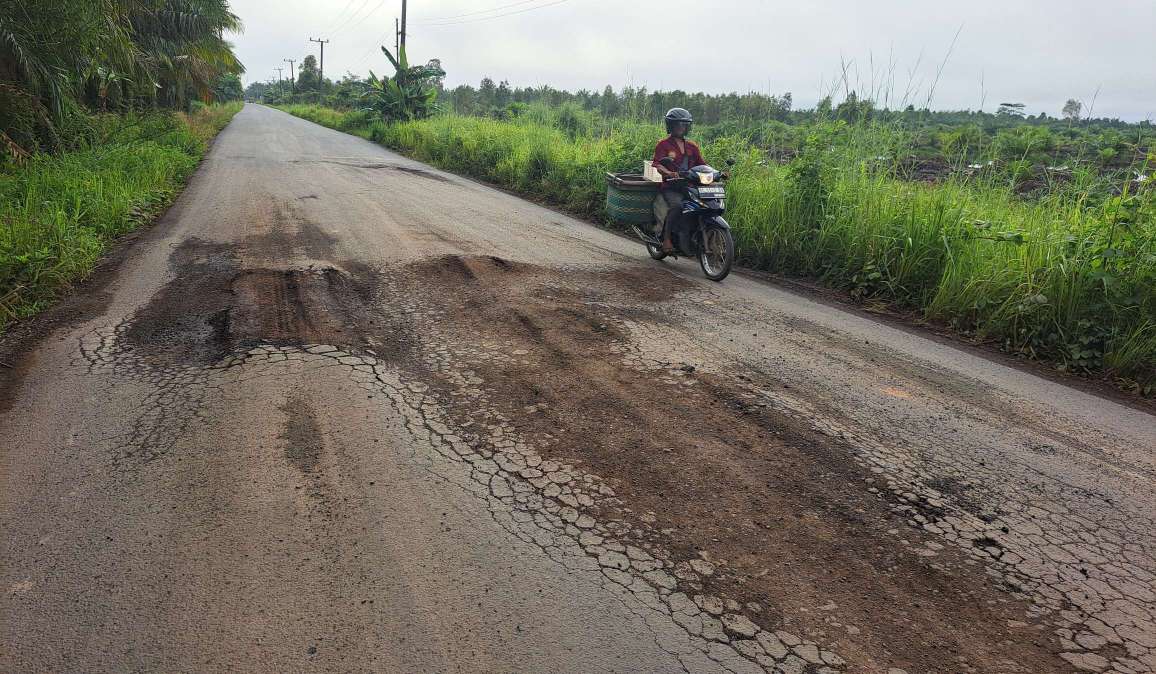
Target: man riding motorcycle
<point x="673" y="154"/>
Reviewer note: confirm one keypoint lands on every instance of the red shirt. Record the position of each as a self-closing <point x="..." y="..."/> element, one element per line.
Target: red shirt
<point x="668" y="147"/>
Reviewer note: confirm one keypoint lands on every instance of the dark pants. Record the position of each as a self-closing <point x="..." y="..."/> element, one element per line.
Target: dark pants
<point x="667" y="208"/>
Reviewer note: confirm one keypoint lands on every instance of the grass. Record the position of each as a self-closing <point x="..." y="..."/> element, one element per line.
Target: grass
<point x="59" y="213"/>
<point x="1068" y="277"/>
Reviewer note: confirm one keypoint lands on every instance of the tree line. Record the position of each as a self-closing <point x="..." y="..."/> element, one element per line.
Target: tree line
<point x="733" y="110"/>
<point x="640" y="103"/>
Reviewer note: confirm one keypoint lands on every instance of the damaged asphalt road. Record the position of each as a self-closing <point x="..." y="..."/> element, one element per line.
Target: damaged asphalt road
<point x="339" y="411"/>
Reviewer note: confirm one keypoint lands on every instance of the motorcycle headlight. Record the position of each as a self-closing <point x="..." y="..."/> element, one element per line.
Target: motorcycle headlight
<point x="705" y="178"/>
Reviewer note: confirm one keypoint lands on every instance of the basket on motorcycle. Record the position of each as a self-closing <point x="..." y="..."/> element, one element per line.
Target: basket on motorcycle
<point x="630" y="198"/>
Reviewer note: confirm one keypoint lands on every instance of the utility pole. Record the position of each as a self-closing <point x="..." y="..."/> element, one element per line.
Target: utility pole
<point x="292" y="75"/>
<point x="321" y="84"/>
<point x="280" y="84"/>
<point x="403" y="3"/>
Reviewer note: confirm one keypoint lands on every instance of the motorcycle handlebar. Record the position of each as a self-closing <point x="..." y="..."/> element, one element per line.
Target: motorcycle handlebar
<point x="689" y="175"/>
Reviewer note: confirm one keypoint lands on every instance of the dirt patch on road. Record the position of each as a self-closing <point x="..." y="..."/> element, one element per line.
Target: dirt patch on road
<point x="188" y="320"/>
<point x="302" y="434"/>
<point x="215" y="307"/>
<point x="783" y="514"/>
<point x="449" y="271"/>
<point x="289" y="305"/>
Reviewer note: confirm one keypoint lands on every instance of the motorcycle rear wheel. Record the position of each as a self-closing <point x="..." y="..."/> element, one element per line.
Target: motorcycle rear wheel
<point x="655" y="252"/>
<point x="717" y="253"/>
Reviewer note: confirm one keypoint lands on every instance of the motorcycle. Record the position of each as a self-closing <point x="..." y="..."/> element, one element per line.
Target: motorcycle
<point x="699" y="230"/>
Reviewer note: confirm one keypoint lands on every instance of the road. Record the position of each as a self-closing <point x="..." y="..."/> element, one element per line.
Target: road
<point x="341" y="411"/>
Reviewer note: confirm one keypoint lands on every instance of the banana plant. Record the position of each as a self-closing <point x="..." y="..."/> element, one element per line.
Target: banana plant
<point x="411" y="92"/>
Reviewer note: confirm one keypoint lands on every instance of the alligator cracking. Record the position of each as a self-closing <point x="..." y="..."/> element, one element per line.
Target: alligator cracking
<point x="701" y="499"/>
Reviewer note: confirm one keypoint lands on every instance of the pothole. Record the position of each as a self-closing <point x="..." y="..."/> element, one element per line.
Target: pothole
<point x="290" y="306"/>
<point x="214" y="308"/>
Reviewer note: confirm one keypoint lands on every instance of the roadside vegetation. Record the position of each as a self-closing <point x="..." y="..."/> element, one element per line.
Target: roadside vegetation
<point x="105" y="108"/>
<point x="60" y="211"/>
<point x="1038" y="234"/>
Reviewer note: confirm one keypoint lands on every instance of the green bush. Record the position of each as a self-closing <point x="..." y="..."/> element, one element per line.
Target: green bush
<point x="963" y="142"/>
<point x="1023" y="142"/>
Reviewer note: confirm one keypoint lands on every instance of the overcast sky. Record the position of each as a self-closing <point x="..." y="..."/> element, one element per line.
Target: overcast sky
<point x="1038" y="52"/>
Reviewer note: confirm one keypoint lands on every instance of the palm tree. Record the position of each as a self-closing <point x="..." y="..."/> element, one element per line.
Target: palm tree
<point x="48" y="48"/>
<point x="56" y="53"/>
<point x="410" y="94"/>
<point x="183" y="50"/>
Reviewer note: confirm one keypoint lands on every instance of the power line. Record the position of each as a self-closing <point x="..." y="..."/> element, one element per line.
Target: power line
<point x="471" y="20"/>
<point x="341" y="15"/>
<point x="376" y="47"/>
<point x="398" y="36"/>
<point x="343" y="23"/>
<point x="369" y="51"/>
<point x="351" y="20"/>
<point x="355" y="20"/>
<point x="480" y="11"/>
<point x="496" y="16"/>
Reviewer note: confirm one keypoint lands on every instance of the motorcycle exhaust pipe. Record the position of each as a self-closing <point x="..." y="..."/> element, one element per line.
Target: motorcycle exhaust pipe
<point x="645" y="237"/>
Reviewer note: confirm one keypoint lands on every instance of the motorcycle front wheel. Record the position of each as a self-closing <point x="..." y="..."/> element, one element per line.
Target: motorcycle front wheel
<point x="717" y="253"/>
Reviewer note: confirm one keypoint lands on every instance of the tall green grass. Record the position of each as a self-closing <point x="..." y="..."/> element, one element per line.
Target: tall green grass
<point x="58" y="213"/>
<point x="1069" y="277"/>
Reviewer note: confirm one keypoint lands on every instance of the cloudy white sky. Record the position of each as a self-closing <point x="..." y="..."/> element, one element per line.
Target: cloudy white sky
<point x="1039" y="52"/>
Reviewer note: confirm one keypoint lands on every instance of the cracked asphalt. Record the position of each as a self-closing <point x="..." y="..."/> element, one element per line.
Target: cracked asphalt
<point x="341" y="411"/>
